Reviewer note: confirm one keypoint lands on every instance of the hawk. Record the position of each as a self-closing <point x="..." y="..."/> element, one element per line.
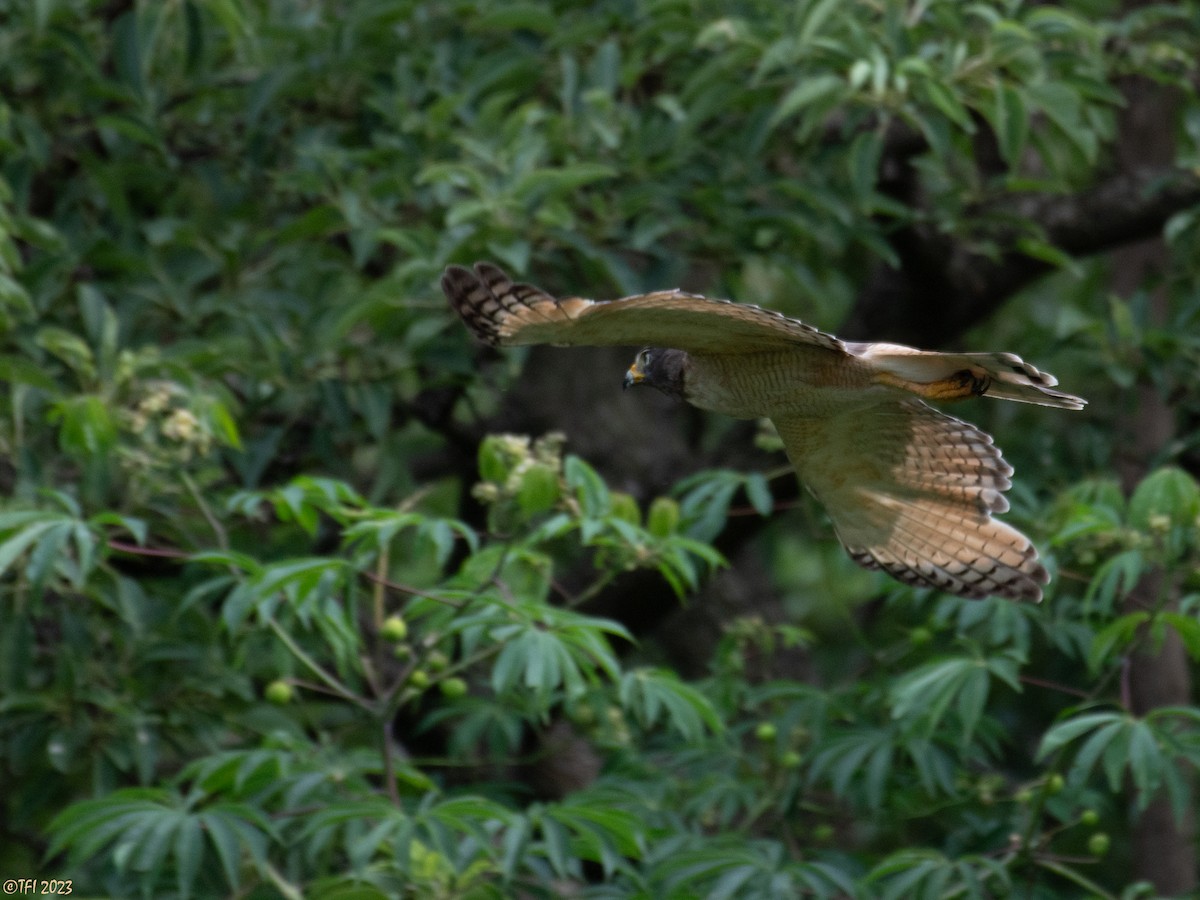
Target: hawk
<point x="910" y="490"/>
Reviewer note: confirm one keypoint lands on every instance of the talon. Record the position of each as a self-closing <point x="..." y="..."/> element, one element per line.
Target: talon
<point x="975" y="384"/>
<point x="961" y="384"/>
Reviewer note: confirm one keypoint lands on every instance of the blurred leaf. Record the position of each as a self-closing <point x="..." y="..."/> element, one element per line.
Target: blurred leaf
<point x="808" y="91"/>
<point x="1188" y="630"/>
<point x="71" y="349"/>
<point x="1010" y="120"/>
<point x="1114" y="579"/>
<point x="1070" y="730"/>
<point x="516" y="16"/>
<point x="651" y="694"/>
<point x="86" y="425"/>
<point x="13" y="547"/>
<point x="1115" y="638"/>
<point x="1168" y="494"/>
<point x="25" y="371"/>
<point x="589" y="488"/>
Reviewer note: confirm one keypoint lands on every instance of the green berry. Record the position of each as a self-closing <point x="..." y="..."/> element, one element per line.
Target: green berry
<point x="1054" y="784"/>
<point x="920" y="637"/>
<point x="1099" y="843"/>
<point x="1090" y="818"/>
<point x="765" y="731"/>
<point x="280" y="692"/>
<point x="394" y="629"/>
<point x="419" y="679"/>
<point x="452" y="688"/>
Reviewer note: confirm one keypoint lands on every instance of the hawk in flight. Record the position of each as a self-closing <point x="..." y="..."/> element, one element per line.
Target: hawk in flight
<point x="910" y="490"/>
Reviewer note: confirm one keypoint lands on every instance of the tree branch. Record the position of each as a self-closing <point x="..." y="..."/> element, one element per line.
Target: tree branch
<point x="946" y="285"/>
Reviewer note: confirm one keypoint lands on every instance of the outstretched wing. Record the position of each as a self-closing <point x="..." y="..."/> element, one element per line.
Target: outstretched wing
<point x="912" y="491"/>
<point x="503" y="313"/>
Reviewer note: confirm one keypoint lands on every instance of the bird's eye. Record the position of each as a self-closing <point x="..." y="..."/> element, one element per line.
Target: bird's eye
<point x="645" y="359"/>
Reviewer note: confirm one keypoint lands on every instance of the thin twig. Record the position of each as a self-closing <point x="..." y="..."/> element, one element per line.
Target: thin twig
<point x="213" y="523"/>
<point x="316" y="668"/>
<point x="409" y="589"/>
<point x="135" y="550"/>
<point x="1054" y="686"/>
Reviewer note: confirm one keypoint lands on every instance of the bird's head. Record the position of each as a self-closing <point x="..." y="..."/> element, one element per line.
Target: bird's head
<point x="658" y="368"/>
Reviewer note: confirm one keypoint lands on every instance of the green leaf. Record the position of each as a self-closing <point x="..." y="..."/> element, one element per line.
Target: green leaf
<point x="590" y="489"/>
<point x="1108" y="743"/>
<point x="188" y="852"/>
<point x="814" y="15"/>
<point x="758" y="491"/>
<point x="662" y="518"/>
<point x="16" y="545"/>
<point x="514" y="16"/>
<point x="1145" y="761"/>
<point x="1114" y="579"/>
<point x="1010" y="120"/>
<point x="494" y="462"/>
<point x="925" y="694"/>
<point x="225" y="842"/>
<point x="1169" y="496"/>
<point x="1037" y="248"/>
<point x="50" y="553"/>
<point x="705" y="500"/>
<point x="316" y="222"/>
<point x="948" y="103"/>
<point x="223" y="424"/>
<point x="534" y="186"/>
<point x="132" y="127"/>
<point x="127" y="51"/>
<point x="14" y="296"/>
<point x="87" y="425"/>
<point x="136" y="527"/>
<point x="602" y="834"/>
<point x="864" y="155"/>
<point x="539" y="489"/>
<point x="304" y="572"/>
<point x="811" y="91"/>
<point x="1115" y="637"/>
<point x="242" y="562"/>
<point x="553" y="649"/>
<point x="653" y="693"/>
<point x="859" y="755"/>
<point x="1188" y="629"/>
<point x="24" y="371"/>
<point x="1066" y="732"/>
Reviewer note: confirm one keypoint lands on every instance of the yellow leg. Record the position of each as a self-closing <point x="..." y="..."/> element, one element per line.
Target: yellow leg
<point x="962" y="384"/>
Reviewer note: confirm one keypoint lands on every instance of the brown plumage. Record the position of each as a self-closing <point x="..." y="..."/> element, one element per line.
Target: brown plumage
<point x="910" y="490"/>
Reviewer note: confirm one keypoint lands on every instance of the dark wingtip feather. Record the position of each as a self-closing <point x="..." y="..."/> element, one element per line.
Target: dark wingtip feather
<point x="472" y="298"/>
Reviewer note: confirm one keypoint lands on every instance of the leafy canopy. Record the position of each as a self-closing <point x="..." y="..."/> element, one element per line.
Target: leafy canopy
<point x="262" y="628"/>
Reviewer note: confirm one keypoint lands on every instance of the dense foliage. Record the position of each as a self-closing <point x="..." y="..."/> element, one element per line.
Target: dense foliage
<point x="279" y="617"/>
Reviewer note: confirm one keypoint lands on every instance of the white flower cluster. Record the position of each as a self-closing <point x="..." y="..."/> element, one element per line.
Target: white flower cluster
<point x="167" y="424"/>
<point x="519" y="456"/>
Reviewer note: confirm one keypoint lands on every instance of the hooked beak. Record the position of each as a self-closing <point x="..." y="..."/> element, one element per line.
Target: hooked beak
<point x="634" y="375"/>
